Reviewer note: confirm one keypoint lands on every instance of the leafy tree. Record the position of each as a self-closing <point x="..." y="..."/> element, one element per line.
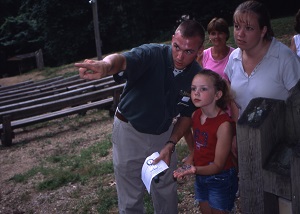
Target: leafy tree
<point x="64" y="30"/>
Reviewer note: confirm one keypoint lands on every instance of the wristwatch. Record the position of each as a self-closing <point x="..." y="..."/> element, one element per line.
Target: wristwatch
<point x="172" y="142"/>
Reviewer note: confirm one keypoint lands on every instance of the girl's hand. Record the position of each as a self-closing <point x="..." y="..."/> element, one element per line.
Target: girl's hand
<point x="184" y="170"/>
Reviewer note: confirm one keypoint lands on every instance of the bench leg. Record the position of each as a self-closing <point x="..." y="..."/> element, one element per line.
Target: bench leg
<point x="115" y="104"/>
<point x="7" y="135"/>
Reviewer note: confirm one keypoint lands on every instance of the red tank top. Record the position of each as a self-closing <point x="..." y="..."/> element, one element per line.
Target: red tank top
<point x="205" y="138"/>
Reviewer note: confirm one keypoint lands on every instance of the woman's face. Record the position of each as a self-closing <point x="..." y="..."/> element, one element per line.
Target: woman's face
<point x="247" y="32"/>
<point x="218" y="38"/>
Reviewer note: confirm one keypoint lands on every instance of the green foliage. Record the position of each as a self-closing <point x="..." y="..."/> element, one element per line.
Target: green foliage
<point x="107" y="199"/>
<point x="283" y="29"/>
<point x="64" y="30"/>
<point x="20" y="32"/>
<point x="58" y="179"/>
<point x="148" y="203"/>
<point x="25" y="176"/>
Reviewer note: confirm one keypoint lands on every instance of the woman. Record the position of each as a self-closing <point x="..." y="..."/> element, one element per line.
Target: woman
<point x="295" y="42"/>
<point x="261" y="66"/>
<point x="216" y="57"/>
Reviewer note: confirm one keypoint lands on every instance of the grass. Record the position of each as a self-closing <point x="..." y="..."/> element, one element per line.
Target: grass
<point x="60" y="169"/>
<point x="70" y="168"/>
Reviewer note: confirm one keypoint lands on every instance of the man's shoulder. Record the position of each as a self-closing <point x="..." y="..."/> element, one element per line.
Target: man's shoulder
<point x="149" y="48"/>
<point x="155" y="45"/>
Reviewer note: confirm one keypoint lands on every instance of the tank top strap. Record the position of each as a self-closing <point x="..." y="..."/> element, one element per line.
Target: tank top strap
<point x="219" y="112"/>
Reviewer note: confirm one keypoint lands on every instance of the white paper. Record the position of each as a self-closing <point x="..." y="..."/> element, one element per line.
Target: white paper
<point x="149" y="171"/>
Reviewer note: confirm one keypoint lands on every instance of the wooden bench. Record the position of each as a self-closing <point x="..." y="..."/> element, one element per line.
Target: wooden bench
<point x="18" y="85"/>
<point x="36" y="89"/>
<point x="29" y="83"/>
<point x="77" y="100"/>
<point x="38" y="55"/>
<point x="268" y="136"/>
<point x="35" y="94"/>
<point x="74" y="91"/>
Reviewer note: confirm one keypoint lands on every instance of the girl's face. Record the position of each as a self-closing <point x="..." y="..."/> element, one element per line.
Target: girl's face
<point x="218" y="38"/>
<point x="247" y="32"/>
<point x="203" y="92"/>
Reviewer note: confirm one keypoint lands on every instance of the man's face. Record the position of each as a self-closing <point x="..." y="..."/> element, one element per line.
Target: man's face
<point x="184" y="50"/>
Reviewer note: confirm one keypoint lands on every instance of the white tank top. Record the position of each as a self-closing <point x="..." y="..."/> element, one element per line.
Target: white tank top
<point x="297" y="43"/>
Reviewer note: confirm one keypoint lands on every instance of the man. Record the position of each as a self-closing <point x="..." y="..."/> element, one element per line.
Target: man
<point x="158" y="80"/>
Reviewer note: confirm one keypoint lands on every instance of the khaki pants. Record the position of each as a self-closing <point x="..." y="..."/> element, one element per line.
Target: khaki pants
<point x="130" y="149"/>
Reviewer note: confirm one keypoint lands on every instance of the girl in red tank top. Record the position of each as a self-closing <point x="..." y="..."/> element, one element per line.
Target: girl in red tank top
<point x="213" y="130"/>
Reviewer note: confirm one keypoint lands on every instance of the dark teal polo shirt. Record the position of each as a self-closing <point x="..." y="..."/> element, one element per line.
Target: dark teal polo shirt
<point x="152" y="96"/>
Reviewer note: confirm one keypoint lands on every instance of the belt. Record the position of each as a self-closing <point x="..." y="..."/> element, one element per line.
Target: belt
<point x="121" y="117"/>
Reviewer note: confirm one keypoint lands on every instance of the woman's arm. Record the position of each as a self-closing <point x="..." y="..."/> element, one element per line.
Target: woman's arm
<point x="293" y="45"/>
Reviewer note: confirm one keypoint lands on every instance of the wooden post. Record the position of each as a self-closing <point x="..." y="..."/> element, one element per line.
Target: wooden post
<point x="7" y="134"/>
<point x="39" y="59"/>
<point x="259" y="129"/>
<point x="117" y="94"/>
<point x="96" y="28"/>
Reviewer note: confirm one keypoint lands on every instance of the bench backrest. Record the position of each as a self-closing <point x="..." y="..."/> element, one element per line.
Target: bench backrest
<point x="75" y="90"/>
<point x="58" y="104"/>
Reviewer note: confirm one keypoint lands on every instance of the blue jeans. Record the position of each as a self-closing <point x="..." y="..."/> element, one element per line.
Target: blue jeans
<point x="218" y="190"/>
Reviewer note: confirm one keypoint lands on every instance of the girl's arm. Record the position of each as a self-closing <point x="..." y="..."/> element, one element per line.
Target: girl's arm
<point x="234" y="110"/>
<point x="223" y="149"/>
<point x="180" y="127"/>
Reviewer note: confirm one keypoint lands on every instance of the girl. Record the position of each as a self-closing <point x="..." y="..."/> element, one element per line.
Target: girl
<point x="214" y="58"/>
<point x="216" y="180"/>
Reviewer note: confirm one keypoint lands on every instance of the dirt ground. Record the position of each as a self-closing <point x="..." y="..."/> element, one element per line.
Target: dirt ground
<point x="33" y="144"/>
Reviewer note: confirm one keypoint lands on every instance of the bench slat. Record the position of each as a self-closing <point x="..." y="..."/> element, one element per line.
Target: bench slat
<point x="61" y="113"/>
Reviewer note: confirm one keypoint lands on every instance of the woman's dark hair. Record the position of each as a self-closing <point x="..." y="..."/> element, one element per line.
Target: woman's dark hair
<point x="220" y="25"/>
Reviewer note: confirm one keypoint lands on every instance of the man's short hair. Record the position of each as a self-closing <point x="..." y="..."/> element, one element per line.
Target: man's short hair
<point x="191" y="28"/>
